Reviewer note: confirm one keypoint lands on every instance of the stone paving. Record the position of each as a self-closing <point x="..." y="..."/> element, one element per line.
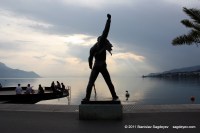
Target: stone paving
<point x="126" y="108"/>
<point x="37" y="118"/>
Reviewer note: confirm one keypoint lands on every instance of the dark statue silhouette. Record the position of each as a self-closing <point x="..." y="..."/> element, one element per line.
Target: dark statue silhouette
<point x="99" y="52"/>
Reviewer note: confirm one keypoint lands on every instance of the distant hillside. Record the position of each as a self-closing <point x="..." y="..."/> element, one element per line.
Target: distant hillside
<point x="193" y="71"/>
<point x="6" y="72"/>
<point x="185" y="69"/>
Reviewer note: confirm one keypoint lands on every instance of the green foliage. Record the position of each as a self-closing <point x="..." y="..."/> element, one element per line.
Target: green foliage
<point x="193" y="37"/>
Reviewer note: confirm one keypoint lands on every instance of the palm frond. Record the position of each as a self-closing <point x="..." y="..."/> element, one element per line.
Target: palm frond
<point x="190" y="24"/>
<point x="192" y="37"/>
<point x="193" y="13"/>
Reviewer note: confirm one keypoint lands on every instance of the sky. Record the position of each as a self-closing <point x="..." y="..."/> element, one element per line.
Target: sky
<point x="53" y="37"/>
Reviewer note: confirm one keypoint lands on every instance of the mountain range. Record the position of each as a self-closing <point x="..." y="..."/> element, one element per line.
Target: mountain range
<point x="7" y="72"/>
<point x="185" y="71"/>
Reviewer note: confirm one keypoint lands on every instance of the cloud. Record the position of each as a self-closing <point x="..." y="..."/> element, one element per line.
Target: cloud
<point x="80" y="39"/>
<point x="190" y="3"/>
<point x="39" y="57"/>
<point x="58" y="35"/>
<point x="25" y="46"/>
<point x="18" y="29"/>
<point x="130" y="56"/>
<point x="98" y="4"/>
<point x="12" y="19"/>
<point x="46" y="54"/>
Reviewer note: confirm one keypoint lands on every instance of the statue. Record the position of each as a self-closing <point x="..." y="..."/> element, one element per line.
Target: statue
<point x="99" y="52"/>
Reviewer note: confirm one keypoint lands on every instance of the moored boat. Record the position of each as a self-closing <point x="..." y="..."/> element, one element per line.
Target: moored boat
<point x="31" y="98"/>
<point x="10" y="88"/>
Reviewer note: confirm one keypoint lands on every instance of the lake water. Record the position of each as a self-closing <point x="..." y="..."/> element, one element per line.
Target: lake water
<point x="142" y="90"/>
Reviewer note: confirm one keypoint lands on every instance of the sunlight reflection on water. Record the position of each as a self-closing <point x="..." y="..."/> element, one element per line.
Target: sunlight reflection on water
<point x="142" y="91"/>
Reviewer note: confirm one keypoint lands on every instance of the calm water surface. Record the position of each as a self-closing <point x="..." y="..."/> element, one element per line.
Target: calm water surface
<point x="142" y="91"/>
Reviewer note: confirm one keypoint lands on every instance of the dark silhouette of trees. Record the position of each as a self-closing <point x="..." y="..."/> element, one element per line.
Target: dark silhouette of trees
<point x="193" y="37"/>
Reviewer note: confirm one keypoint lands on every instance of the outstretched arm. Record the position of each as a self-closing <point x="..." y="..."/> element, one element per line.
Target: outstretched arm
<point x="106" y="30"/>
<point x="107" y="27"/>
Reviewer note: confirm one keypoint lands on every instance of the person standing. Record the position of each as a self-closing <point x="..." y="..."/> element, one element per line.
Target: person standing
<point x="62" y="87"/>
<point x="58" y="86"/>
<point x="53" y="88"/>
<point x="98" y="51"/>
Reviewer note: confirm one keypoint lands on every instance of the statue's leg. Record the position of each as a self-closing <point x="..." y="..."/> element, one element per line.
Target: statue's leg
<point x="93" y="77"/>
<point x="107" y="78"/>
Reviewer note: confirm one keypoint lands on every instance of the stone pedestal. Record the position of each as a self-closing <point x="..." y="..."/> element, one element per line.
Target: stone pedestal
<point x="100" y="110"/>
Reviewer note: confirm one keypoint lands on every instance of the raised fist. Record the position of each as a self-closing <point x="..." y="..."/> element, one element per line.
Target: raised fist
<point x="109" y="16"/>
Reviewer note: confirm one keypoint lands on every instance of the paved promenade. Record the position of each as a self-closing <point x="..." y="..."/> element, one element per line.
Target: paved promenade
<point x="18" y="118"/>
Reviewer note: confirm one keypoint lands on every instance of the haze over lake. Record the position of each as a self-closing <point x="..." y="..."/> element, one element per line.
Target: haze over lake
<point x="142" y="90"/>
